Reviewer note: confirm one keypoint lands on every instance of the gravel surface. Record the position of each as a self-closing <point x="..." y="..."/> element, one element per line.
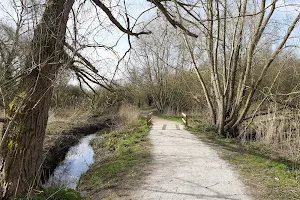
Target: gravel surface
<point x="183" y="167"/>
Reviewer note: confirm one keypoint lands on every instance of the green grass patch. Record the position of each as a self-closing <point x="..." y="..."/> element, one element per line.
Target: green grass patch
<point x="172" y="118"/>
<point x="267" y="176"/>
<point x="124" y="153"/>
<point x="54" y="193"/>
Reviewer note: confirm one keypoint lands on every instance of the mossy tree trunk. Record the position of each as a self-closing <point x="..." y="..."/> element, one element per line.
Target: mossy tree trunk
<point x="22" y="139"/>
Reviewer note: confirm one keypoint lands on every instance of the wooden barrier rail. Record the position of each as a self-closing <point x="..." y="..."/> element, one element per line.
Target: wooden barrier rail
<point x="149" y="119"/>
<point x="184" y="119"/>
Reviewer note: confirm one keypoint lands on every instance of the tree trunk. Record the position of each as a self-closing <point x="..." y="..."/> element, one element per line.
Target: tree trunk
<point x="22" y="140"/>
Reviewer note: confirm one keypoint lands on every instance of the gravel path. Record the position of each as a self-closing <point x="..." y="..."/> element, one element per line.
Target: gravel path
<point x="185" y="168"/>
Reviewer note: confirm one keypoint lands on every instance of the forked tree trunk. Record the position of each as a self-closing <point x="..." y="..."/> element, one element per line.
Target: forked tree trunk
<point x="22" y="141"/>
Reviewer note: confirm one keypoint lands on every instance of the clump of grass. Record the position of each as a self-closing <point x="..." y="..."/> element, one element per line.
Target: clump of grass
<point x="279" y="132"/>
<point x="54" y="193"/>
<point x="171" y="117"/>
<point x="128" y="114"/>
<point x="267" y="176"/>
<point x="147" y="108"/>
<point x="193" y="119"/>
<point x="120" y="157"/>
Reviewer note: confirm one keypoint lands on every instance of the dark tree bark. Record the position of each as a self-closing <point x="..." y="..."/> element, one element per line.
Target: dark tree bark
<point x="22" y="139"/>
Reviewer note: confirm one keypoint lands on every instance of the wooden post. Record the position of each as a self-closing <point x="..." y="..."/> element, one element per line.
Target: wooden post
<point x="184" y="119"/>
<point x="149" y="119"/>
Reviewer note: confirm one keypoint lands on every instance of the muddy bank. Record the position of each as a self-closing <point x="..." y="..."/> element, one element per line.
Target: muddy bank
<point x="57" y="143"/>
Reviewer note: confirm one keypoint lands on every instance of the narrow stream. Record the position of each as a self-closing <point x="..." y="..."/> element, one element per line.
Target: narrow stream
<point x="77" y="161"/>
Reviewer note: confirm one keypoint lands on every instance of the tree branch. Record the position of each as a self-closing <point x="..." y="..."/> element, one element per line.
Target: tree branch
<point x="115" y="21"/>
<point x="169" y="18"/>
<point x="76" y="53"/>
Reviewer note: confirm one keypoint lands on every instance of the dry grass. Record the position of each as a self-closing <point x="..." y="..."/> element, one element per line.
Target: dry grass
<point x="279" y="132"/>
<point x="128" y="114"/>
<point x="72" y="114"/>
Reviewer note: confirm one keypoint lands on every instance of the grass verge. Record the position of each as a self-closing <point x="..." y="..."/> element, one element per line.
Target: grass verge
<point x="54" y="193"/>
<point x="120" y="157"/>
<point x="265" y="175"/>
<point x="172" y="118"/>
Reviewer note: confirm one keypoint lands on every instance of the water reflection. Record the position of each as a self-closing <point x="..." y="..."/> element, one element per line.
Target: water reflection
<point x="77" y="161"/>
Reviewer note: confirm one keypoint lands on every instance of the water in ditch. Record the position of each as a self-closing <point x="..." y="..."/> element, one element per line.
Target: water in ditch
<point x="77" y="161"/>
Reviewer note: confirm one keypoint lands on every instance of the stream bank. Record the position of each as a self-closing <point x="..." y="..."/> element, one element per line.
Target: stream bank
<point x="77" y="161"/>
<point x="121" y="157"/>
<point x="62" y="136"/>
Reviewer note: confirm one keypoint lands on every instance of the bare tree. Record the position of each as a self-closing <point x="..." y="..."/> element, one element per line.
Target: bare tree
<point x="27" y="113"/>
<point x="159" y="62"/>
<point x="234" y="35"/>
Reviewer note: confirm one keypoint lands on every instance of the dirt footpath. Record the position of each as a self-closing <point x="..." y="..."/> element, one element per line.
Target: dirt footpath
<point x="185" y="168"/>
